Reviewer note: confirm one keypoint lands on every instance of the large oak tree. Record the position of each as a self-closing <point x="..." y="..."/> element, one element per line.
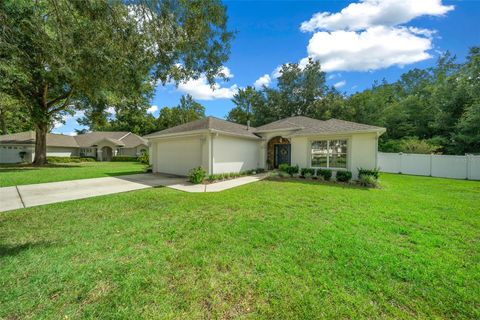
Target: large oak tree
<point x="54" y="53"/>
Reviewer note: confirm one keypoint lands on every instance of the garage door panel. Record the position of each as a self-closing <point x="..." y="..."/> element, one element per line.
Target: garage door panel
<point x="10" y="154"/>
<point x="178" y="156"/>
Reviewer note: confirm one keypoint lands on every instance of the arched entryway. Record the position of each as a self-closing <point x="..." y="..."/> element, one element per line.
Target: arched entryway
<point x="107" y="154"/>
<point x="278" y="152"/>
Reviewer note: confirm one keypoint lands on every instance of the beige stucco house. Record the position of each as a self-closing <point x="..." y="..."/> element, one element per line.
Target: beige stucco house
<point x="221" y="146"/>
<point x="101" y="145"/>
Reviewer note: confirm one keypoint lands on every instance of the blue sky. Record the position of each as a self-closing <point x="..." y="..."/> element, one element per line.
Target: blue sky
<point x="357" y="42"/>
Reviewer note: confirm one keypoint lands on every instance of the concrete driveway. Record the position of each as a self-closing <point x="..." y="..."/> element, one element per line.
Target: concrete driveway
<point x="31" y="195"/>
<point x="44" y="193"/>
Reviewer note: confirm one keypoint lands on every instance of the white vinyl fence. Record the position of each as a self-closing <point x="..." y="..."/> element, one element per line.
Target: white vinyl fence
<point x="458" y="167"/>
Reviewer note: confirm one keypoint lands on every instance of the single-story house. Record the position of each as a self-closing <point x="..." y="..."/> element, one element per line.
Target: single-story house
<point x="221" y="146"/>
<point x="20" y="147"/>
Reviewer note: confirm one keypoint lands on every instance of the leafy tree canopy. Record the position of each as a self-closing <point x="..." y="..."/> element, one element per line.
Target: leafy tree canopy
<point x="428" y="110"/>
<point x="188" y="110"/>
<point x="56" y="53"/>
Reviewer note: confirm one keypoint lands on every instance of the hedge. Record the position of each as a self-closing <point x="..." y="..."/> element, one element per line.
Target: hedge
<point x="73" y="159"/>
<point x="124" y="158"/>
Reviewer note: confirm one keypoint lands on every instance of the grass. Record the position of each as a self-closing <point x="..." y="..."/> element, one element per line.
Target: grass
<point x="268" y="250"/>
<point x="12" y="175"/>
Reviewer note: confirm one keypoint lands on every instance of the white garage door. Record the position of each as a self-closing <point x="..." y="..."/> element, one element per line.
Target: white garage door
<point x="178" y="156"/>
<point x="10" y="154"/>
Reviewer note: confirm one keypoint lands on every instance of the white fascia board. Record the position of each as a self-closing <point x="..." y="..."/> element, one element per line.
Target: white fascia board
<point x="276" y="130"/>
<point x="378" y="131"/>
<point x="233" y="134"/>
<point x="178" y="134"/>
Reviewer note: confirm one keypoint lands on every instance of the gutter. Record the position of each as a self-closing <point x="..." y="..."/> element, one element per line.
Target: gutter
<point x="196" y="132"/>
<point x="378" y="131"/>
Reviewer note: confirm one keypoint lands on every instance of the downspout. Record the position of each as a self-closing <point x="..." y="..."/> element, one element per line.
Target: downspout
<point x="211" y="153"/>
<point x="376" y="150"/>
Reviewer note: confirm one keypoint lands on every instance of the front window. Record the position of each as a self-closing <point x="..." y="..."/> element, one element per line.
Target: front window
<point x="329" y="153"/>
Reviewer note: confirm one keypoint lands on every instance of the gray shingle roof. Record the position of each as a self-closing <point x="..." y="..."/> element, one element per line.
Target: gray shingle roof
<point x="208" y="123"/>
<point x="336" y="126"/>
<point x="125" y="139"/>
<point x="298" y="122"/>
<point x="301" y="126"/>
<point x="28" y="137"/>
<point x="305" y="126"/>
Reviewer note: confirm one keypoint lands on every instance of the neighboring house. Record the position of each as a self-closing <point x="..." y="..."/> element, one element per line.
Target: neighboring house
<point x="222" y="146"/>
<point x="101" y="145"/>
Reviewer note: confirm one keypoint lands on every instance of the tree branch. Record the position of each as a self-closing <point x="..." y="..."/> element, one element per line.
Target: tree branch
<point x="45" y="93"/>
<point x="57" y="99"/>
<point x="64" y="104"/>
<point x="24" y="98"/>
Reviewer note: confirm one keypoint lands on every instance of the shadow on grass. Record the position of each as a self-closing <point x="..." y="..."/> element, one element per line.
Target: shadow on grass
<point x="123" y="173"/>
<point x="13" y="250"/>
<point x="152" y="180"/>
<point x="25" y="167"/>
<point x="318" y="182"/>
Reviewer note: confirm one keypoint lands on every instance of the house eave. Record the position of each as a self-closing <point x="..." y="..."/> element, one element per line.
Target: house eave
<point x="377" y="131"/>
<point x="234" y="134"/>
<point x="176" y="134"/>
<point x="279" y="130"/>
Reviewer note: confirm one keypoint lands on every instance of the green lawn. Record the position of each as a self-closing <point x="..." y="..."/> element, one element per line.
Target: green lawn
<point x="12" y="175"/>
<point x="271" y="250"/>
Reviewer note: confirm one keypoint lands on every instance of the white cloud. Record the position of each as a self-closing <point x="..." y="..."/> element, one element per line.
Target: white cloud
<point x="226" y="72"/>
<point x="111" y="110"/>
<point x="370" y="13"/>
<point x="200" y="89"/>
<point x="375" y="48"/>
<point x="57" y="124"/>
<point x="152" y="109"/>
<point x="368" y="35"/>
<point x="276" y="73"/>
<point x="79" y="114"/>
<point x="264" y="80"/>
<point x="334" y="75"/>
<point x="340" y="84"/>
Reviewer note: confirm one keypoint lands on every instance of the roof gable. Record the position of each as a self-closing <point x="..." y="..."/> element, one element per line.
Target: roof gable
<point x="120" y="138"/>
<point x="28" y="137"/>
<point x="208" y="124"/>
<point x="292" y="123"/>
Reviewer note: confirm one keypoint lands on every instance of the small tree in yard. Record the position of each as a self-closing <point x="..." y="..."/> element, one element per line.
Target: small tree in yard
<point x="54" y="53"/>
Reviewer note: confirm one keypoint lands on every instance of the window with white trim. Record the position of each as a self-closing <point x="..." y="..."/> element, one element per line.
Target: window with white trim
<point x="329" y="154"/>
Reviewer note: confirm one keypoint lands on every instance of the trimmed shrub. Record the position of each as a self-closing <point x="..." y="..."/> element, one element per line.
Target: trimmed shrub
<point x="291" y="170"/>
<point x="260" y="170"/>
<point x="369" y="172"/>
<point x="307" y="171"/>
<point x="124" y="159"/>
<point x="197" y="175"/>
<point x="87" y="159"/>
<point x="368" y="181"/>
<point x="344" y="176"/>
<point x="283" y="167"/>
<point x="144" y="158"/>
<point x="325" y="174"/>
<point x="54" y="159"/>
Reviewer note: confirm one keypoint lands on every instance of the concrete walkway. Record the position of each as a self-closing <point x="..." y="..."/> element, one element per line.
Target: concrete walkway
<point x="45" y="193"/>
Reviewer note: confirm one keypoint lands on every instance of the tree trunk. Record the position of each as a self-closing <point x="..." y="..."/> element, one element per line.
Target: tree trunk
<point x="40" y="144"/>
<point x="3" y="124"/>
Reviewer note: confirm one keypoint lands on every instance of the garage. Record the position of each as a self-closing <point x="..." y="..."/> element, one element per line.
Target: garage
<point x="177" y="156"/>
<point x="10" y="154"/>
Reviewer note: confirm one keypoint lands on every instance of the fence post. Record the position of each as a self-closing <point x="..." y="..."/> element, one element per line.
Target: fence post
<point x="431" y="163"/>
<point x="400" y="162"/>
<point x="468" y="165"/>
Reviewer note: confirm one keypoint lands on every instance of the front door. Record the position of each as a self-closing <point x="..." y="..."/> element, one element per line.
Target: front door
<point x="282" y="154"/>
<point x="107" y="154"/>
